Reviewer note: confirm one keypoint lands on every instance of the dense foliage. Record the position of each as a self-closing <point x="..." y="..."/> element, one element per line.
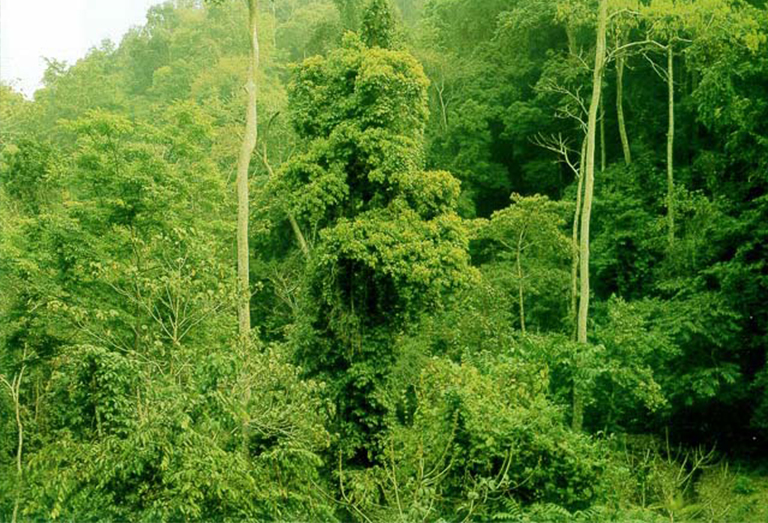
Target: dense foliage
<point x="416" y="194"/>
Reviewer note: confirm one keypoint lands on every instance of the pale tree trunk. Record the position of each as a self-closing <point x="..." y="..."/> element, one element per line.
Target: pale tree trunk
<point x="620" y="110"/>
<point x="671" y="146"/>
<point x="299" y="235"/>
<point x="602" y="136"/>
<point x="575" y="240"/>
<point x="19" y="451"/>
<point x="14" y="388"/>
<point x="443" y="107"/>
<point x="586" y="215"/>
<point x="243" y="165"/>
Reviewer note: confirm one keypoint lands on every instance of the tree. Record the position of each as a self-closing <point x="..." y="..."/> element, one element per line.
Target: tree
<point x="620" y="64"/>
<point x="530" y="233"/>
<point x="247" y="148"/>
<point x="589" y="183"/>
<point x="670" y="25"/>
<point x="389" y="245"/>
<point x="14" y="112"/>
<point x="243" y="164"/>
<point x="14" y="390"/>
<point x="667" y="22"/>
<point x="623" y="24"/>
<point x="132" y="273"/>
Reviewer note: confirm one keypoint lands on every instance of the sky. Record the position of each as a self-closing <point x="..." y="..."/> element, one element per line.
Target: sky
<point x="62" y="29"/>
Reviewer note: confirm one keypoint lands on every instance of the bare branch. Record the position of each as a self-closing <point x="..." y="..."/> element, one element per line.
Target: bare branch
<point x="559" y="145"/>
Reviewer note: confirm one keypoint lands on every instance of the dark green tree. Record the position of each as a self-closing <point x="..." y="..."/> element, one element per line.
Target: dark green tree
<point x="388" y="244"/>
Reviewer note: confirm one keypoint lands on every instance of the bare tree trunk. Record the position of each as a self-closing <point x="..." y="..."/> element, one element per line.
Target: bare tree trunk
<point x="19" y="452"/>
<point x="620" y="110"/>
<point x="602" y="136"/>
<point x="443" y="107"/>
<point x="575" y="240"/>
<point x="586" y="215"/>
<point x="243" y="165"/>
<point x="299" y="235"/>
<point x="14" y="388"/>
<point x="671" y="146"/>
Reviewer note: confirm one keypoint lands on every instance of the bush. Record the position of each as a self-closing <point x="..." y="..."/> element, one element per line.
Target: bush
<point x="472" y="441"/>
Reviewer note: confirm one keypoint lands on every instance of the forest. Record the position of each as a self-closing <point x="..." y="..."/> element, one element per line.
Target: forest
<point x="398" y="261"/>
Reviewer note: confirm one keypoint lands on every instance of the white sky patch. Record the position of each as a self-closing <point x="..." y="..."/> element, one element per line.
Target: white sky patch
<point x="61" y="29"/>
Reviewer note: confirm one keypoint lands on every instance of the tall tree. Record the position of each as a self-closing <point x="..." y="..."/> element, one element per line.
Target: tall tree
<point x="390" y="243"/>
<point x="243" y="165"/>
<point x="671" y="143"/>
<point x="247" y="148"/>
<point x="621" y="61"/>
<point x="589" y="188"/>
<point x="14" y="390"/>
<point x="620" y="64"/>
<point x="670" y="25"/>
<point x="624" y="21"/>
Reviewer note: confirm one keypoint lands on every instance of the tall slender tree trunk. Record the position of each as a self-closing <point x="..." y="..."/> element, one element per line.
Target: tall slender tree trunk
<point x="19" y="448"/>
<point x="243" y="165"/>
<point x="586" y="214"/>
<point x="243" y="252"/>
<point x="14" y="389"/>
<point x="620" y="110"/>
<point x="575" y="240"/>
<point x="443" y="107"/>
<point x="671" y="145"/>
<point x="603" y="153"/>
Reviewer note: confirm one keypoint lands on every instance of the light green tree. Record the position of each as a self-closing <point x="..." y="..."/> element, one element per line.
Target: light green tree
<point x="529" y="235"/>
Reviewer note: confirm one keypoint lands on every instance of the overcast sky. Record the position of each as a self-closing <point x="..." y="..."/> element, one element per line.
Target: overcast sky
<point x="60" y="29"/>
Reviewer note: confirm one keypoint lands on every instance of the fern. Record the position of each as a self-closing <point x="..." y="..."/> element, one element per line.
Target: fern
<point x="549" y="513"/>
<point x="512" y="512"/>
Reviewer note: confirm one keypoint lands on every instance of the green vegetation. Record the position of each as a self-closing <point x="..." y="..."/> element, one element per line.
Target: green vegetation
<point x="391" y="260"/>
